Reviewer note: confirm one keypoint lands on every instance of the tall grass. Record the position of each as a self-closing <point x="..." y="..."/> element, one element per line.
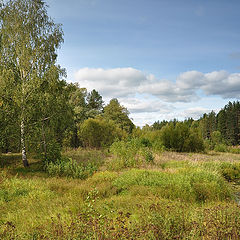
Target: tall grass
<point x="132" y="153"/>
<point x="193" y="185"/>
<point x="76" y="163"/>
<point x="70" y="168"/>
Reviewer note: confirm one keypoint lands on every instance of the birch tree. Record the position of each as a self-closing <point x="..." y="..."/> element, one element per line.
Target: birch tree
<point x="29" y="40"/>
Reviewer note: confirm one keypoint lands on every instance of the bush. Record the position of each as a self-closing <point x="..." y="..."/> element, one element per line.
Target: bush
<point x="157" y="146"/>
<point x="145" y="142"/>
<point x="98" y="133"/>
<point x="231" y="172"/>
<point x="234" y="150"/>
<point x="125" y="153"/>
<point x="129" y="154"/>
<point x="216" y="137"/>
<point x="53" y="152"/>
<point x="181" y="138"/>
<point x="208" y="144"/>
<point x="148" y="156"/>
<point x="150" y="138"/>
<point x="221" y="148"/>
<point x="193" y="143"/>
<point x="70" y="168"/>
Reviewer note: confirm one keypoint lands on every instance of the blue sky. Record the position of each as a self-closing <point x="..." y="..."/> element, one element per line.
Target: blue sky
<point x="162" y="59"/>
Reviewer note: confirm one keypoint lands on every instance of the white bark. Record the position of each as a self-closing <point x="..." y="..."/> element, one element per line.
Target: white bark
<point x="44" y="141"/>
<point x="24" y="154"/>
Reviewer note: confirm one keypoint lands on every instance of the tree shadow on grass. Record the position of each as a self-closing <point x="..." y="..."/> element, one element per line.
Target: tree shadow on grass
<point x="10" y="160"/>
<point x="13" y="163"/>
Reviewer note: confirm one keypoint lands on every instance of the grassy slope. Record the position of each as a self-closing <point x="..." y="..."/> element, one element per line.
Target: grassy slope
<point x="181" y="196"/>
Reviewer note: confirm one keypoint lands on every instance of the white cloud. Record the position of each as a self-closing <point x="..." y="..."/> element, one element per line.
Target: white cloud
<point x="190" y="80"/>
<point x="147" y="105"/>
<point x="123" y="82"/>
<point x="195" y="112"/>
<point x="223" y="84"/>
<point x="115" y="82"/>
<point x="150" y="99"/>
<point x="168" y="91"/>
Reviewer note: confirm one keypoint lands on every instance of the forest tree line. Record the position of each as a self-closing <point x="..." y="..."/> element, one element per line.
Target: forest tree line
<point x="41" y="113"/>
<point x="73" y="117"/>
<point x="213" y="128"/>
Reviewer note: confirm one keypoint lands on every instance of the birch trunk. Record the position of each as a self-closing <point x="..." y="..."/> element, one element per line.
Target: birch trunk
<point x="44" y="141"/>
<point x="24" y="154"/>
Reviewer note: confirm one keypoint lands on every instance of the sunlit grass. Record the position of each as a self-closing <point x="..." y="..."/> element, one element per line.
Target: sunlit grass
<point x="183" y="196"/>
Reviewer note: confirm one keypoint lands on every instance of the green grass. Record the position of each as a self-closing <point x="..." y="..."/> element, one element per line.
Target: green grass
<point x="70" y="168"/>
<point x="179" y="196"/>
<point x="194" y="185"/>
<point x="86" y="155"/>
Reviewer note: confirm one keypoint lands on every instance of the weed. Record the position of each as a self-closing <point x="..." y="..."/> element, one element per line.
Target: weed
<point x="129" y="154"/>
<point x="231" y="171"/>
<point x="70" y="168"/>
<point x="221" y="148"/>
<point x="188" y="185"/>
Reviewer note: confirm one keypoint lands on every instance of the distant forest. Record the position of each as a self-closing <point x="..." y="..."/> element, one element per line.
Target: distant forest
<point x="226" y="122"/>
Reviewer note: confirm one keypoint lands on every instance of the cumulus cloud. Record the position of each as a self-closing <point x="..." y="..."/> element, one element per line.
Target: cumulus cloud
<point x="126" y="82"/>
<point x="168" y="91"/>
<point x="195" y="112"/>
<point x="147" y="105"/>
<point x="223" y="84"/>
<point x="115" y="82"/>
<point x="190" y="80"/>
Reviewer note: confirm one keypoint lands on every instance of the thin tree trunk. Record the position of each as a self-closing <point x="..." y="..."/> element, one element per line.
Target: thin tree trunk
<point x="44" y="140"/>
<point x="24" y="154"/>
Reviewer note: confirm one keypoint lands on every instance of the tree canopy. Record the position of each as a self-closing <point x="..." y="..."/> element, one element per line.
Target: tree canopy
<point x="29" y="40"/>
<point x="119" y="114"/>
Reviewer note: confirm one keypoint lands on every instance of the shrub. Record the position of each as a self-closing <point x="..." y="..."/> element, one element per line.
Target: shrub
<point x="193" y="143"/>
<point x="216" y="137"/>
<point x="145" y="142"/>
<point x="70" y="168"/>
<point x="149" y="158"/>
<point x="98" y="133"/>
<point x="221" y="148"/>
<point x="230" y="171"/>
<point x="53" y="152"/>
<point x="157" y="146"/>
<point x="181" y="138"/>
<point x="129" y="154"/>
<point x="125" y="153"/>
<point x="234" y="150"/>
<point x="208" y="144"/>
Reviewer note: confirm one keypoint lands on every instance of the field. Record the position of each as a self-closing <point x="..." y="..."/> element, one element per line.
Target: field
<point x="176" y="196"/>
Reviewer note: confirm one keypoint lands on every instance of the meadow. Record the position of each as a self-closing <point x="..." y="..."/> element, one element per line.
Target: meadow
<point x="86" y="171"/>
<point x="174" y="196"/>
